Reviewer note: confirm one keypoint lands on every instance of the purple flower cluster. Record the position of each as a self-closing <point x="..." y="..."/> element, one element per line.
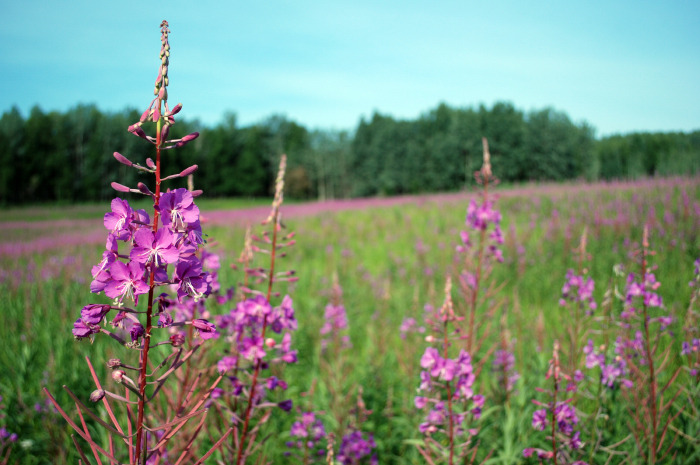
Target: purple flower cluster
<point x="245" y="328"/>
<point x="613" y="371"/>
<point x="479" y="219"/>
<point x="409" y="325"/>
<point x="125" y="276"/>
<point x="335" y="323"/>
<point x="692" y="351"/>
<point x="356" y="449"/>
<point x="5" y="436"/>
<point x="566" y="419"/>
<point x="578" y="290"/>
<point x="307" y="434"/>
<point x="442" y="376"/>
<point x="642" y="292"/>
<point x="558" y="417"/>
<point x="503" y="367"/>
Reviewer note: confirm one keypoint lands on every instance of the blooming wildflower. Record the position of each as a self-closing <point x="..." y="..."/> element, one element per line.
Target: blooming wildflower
<point x="578" y="289"/>
<point x="178" y="209"/>
<point x="119" y="219"/>
<point x="126" y="281"/>
<point x="539" y="419"/>
<point x="308" y="432"/>
<point x="93" y="314"/>
<point x="355" y="447"/>
<point x="157" y="249"/>
<point x="191" y="280"/>
<point x="206" y="330"/>
<point x="82" y="330"/>
<point x="503" y="365"/>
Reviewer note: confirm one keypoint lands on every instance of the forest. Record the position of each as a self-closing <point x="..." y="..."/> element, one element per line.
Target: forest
<point x="66" y="157"/>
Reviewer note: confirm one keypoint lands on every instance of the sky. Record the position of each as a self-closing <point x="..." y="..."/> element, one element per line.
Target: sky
<point x="619" y="66"/>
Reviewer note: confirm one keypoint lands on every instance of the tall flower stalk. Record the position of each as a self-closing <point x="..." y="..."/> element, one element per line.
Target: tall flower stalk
<point x="260" y="335"/>
<point x="643" y="325"/>
<point x="156" y="252"/>
<point x="446" y="392"/>
<point x="480" y="245"/>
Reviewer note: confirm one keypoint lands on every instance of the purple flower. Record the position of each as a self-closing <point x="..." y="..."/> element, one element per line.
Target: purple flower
<point x="430" y="358"/>
<point x="355" y="447"/>
<point x="285" y="405"/>
<point x="206" y="330"/>
<point x="136" y="331"/>
<point x="93" y="314"/>
<point x="189" y="276"/>
<point x="177" y="209"/>
<point x="82" y="330"/>
<point x="539" y="419"/>
<point x="126" y="281"/>
<point x="119" y="219"/>
<point x="157" y="249"/>
<point x="226" y="363"/>
<point x="257" y="307"/>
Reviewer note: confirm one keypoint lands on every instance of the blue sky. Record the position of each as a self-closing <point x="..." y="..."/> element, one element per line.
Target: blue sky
<point x="620" y="66"/>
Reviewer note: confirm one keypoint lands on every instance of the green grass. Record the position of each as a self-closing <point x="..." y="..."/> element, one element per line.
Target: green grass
<point x="384" y="280"/>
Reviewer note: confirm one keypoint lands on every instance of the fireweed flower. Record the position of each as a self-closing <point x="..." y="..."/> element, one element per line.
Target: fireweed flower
<point x="578" y="290"/>
<point x="503" y="367"/>
<point x="483" y="218"/>
<point x="156" y="249"/>
<point x="119" y="219"/>
<point x="558" y="417"/>
<point x="446" y="389"/>
<point x="334" y="326"/>
<point x="356" y="449"/>
<point x="611" y="372"/>
<point x="243" y="327"/>
<point x="126" y="281"/>
<point x="307" y="434"/>
<point x="178" y="209"/>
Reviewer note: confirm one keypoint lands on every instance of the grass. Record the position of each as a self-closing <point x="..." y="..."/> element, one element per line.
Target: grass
<point x="385" y="279"/>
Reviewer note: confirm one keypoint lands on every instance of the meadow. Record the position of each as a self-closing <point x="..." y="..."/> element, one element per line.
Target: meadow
<point x="371" y="286"/>
<point x="552" y="323"/>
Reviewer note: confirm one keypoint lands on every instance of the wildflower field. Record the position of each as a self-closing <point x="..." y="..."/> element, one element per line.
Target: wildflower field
<point x="555" y="323"/>
<point x="391" y="263"/>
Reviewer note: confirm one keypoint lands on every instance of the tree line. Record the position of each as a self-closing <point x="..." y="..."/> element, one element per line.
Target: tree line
<point x="66" y="157"/>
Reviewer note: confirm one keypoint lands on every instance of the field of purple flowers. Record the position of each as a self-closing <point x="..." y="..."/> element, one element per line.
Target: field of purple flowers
<point x="552" y="324"/>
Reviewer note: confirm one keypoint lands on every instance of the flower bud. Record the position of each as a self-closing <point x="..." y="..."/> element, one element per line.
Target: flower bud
<point x="136" y="130"/>
<point x="120" y="187"/>
<point x="150" y="163"/>
<point x="177" y="339"/>
<point x="187" y="138"/>
<point x="118" y="375"/>
<point x="176" y="109"/>
<point x="97" y="395"/>
<point x="122" y="159"/>
<point x="114" y="363"/>
<point x="188" y="171"/>
<point x="156" y="115"/>
<point x="269" y="342"/>
<point x="144" y="189"/>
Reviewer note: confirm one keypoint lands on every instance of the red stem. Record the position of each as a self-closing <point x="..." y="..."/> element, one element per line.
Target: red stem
<point x="149" y="311"/>
<point x="650" y="361"/>
<point x="256" y="371"/>
<point x="554" y="418"/>
<point x="449" y="402"/>
<point x="477" y="278"/>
